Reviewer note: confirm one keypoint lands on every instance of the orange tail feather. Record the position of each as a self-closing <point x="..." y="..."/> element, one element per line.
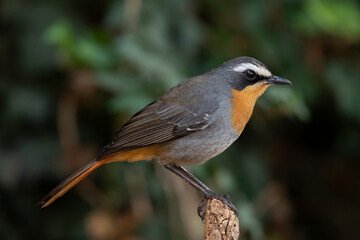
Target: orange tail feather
<point x="145" y="153"/>
<point x="70" y="182"/>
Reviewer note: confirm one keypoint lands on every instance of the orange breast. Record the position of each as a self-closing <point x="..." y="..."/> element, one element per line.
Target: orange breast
<point x="243" y="104"/>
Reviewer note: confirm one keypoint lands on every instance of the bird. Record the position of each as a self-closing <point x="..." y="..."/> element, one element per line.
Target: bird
<point x="189" y="124"/>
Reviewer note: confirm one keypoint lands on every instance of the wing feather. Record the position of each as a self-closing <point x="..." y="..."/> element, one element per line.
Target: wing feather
<point x="156" y="123"/>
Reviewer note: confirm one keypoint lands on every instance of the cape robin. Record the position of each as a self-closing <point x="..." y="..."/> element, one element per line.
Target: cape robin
<point x="191" y="123"/>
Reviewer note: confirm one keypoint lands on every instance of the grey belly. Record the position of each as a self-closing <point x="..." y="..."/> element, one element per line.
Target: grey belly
<point x="199" y="147"/>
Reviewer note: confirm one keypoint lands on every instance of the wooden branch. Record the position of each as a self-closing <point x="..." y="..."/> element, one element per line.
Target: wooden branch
<point x="220" y="222"/>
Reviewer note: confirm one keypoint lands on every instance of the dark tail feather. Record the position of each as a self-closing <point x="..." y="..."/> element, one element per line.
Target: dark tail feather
<point x="70" y="182"/>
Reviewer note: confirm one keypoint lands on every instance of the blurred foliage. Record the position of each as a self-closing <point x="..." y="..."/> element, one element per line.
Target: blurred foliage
<point x="336" y="18"/>
<point x="72" y="72"/>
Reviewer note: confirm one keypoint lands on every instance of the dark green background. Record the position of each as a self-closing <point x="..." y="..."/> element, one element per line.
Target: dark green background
<point x="72" y="72"/>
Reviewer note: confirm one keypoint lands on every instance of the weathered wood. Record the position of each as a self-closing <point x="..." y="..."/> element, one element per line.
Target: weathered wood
<point x="220" y="222"/>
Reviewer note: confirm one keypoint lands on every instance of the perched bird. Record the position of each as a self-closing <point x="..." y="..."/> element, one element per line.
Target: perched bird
<point x="191" y="123"/>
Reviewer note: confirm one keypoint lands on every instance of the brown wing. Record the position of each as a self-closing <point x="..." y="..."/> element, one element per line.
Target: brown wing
<point x="156" y="123"/>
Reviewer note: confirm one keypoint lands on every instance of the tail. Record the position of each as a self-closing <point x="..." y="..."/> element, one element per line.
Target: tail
<point x="132" y="156"/>
<point x="70" y="182"/>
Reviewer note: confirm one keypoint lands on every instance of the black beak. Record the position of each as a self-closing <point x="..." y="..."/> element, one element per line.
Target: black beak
<point x="278" y="80"/>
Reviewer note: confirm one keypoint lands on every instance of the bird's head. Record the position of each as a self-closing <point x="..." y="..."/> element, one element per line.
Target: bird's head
<point x="250" y="74"/>
<point x="248" y="78"/>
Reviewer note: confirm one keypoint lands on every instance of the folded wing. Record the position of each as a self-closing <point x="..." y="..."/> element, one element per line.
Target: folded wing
<point x="156" y="123"/>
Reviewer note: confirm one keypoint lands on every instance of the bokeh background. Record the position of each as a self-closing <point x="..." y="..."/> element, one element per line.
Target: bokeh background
<point x="72" y="72"/>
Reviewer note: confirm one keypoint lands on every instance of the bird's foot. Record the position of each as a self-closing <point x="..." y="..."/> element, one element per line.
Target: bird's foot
<point x="201" y="210"/>
<point x="225" y="199"/>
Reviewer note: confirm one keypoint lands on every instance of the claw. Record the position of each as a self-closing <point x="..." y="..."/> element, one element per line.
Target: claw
<point x="225" y="199"/>
<point x="201" y="210"/>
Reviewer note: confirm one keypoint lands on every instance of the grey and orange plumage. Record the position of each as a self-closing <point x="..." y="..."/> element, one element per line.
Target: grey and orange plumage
<point x="191" y="123"/>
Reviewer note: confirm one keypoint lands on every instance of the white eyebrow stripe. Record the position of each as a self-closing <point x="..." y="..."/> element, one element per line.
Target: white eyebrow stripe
<point x="258" y="69"/>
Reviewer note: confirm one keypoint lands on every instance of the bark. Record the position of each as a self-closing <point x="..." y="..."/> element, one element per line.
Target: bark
<point x="220" y="222"/>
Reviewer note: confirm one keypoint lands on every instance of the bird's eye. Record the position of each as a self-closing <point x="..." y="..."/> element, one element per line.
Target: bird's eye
<point x="250" y="74"/>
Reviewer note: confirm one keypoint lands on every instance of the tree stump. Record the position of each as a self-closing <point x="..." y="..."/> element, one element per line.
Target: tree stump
<point x="220" y="222"/>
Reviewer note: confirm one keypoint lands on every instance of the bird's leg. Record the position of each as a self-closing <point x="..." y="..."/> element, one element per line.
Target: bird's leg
<point x="196" y="183"/>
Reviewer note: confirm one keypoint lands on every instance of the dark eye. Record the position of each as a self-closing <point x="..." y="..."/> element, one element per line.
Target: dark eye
<point x="250" y="74"/>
